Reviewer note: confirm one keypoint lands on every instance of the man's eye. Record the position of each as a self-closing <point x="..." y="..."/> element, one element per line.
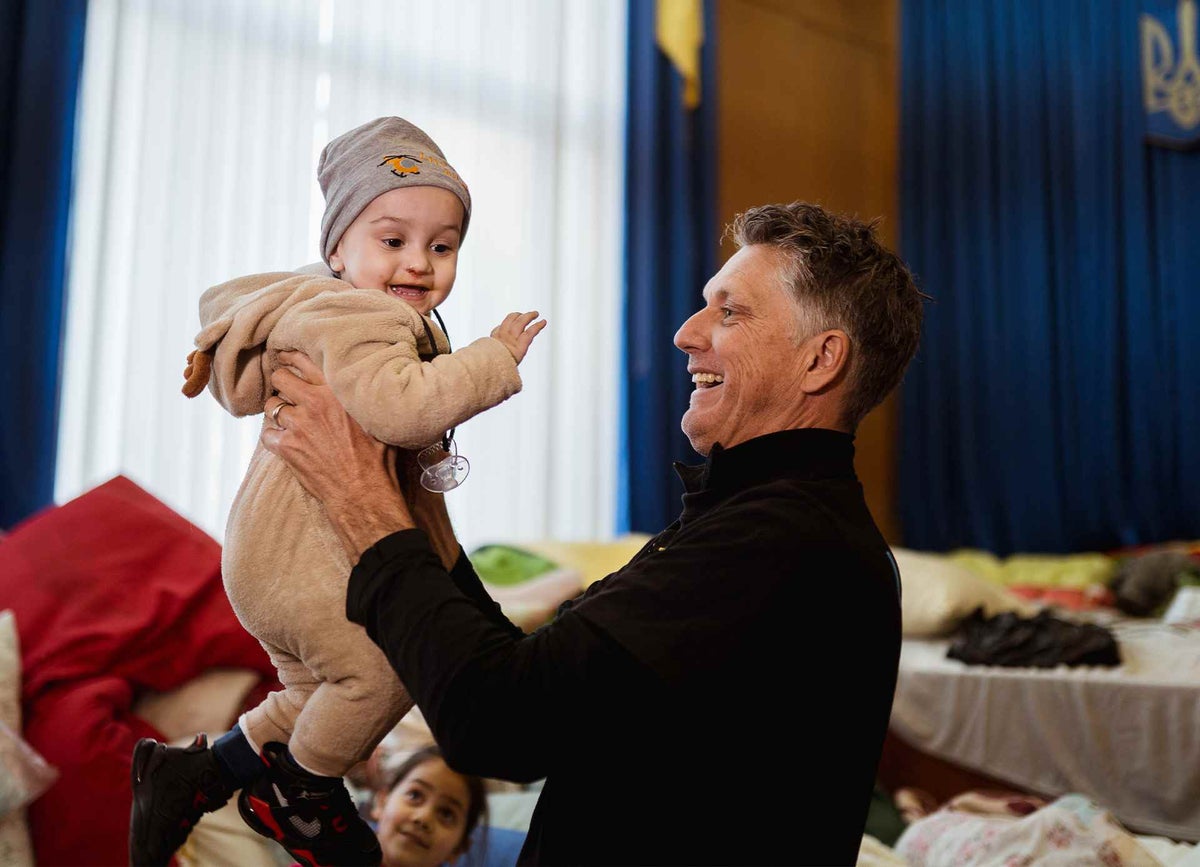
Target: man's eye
<point x="394" y="243"/>
<point x="726" y="312"/>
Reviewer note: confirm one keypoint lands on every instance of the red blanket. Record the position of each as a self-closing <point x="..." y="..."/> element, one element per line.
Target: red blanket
<point x="114" y="593"/>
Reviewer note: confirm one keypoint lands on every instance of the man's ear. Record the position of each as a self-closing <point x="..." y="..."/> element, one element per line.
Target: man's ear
<point x="827" y="358"/>
<point x="336" y="264"/>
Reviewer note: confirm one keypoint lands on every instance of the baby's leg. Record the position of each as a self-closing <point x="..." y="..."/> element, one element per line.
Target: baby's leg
<point x="275" y="718"/>
<point x="286" y="574"/>
<point x="340" y="695"/>
<point x="359" y="700"/>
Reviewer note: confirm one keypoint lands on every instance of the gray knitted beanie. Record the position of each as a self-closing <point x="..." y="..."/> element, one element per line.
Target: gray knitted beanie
<point x="369" y="160"/>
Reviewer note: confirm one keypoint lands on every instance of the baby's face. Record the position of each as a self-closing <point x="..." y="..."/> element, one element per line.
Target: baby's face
<point x="405" y="243"/>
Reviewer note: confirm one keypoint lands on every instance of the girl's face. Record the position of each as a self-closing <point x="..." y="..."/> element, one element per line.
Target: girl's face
<point x="422" y="820"/>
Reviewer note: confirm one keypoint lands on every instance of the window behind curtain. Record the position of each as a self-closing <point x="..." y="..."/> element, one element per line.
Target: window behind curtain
<point x="199" y="130"/>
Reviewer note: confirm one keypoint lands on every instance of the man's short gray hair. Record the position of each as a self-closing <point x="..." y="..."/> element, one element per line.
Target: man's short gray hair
<point x="842" y="277"/>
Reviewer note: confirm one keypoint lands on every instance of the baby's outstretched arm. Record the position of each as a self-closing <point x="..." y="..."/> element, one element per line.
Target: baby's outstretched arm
<point x="516" y="333"/>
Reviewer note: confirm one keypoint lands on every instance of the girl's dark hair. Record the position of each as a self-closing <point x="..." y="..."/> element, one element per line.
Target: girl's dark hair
<point x="477" y="811"/>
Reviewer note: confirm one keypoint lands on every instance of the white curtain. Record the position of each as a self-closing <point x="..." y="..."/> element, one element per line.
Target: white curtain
<point x="200" y="125"/>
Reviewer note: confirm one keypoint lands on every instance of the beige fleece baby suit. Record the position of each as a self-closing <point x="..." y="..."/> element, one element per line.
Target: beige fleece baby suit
<point x="284" y="570"/>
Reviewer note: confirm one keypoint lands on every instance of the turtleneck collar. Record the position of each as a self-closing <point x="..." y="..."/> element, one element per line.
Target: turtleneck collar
<point x="805" y="454"/>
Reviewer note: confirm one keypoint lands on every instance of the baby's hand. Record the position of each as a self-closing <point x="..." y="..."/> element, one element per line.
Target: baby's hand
<point x="516" y="333"/>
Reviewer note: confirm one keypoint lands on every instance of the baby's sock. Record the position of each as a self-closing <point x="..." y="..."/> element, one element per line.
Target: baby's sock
<point x="237" y="758"/>
<point x="289" y="762"/>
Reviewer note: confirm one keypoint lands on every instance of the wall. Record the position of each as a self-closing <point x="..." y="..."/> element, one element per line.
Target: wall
<point x="808" y="102"/>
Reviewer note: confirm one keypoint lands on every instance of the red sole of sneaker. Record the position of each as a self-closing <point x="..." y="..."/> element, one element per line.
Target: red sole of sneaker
<point x="266" y="826"/>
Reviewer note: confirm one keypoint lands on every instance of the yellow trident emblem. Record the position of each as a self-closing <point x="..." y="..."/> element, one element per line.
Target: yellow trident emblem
<point x="1167" y="85"/>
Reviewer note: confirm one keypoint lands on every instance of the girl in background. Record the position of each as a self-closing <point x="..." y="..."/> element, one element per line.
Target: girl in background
<point x="426" y="816"/>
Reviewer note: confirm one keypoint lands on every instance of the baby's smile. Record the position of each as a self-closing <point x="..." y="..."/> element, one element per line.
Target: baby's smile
<point x="408" y="291"/>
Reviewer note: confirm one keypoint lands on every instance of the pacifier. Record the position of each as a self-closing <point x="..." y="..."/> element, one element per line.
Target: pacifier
<point x="443" y="468"/>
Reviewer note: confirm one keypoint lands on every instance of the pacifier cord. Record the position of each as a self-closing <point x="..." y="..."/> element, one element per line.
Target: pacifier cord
<point x="448" y="437"/>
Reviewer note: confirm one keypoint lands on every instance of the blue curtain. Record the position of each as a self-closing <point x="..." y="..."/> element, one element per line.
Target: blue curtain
<point x="1054" y="404"/>
<point x="41" y="55"/>
<point x="671" y="243"/>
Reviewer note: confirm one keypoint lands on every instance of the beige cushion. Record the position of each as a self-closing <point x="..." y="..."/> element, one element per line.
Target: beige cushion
<point x="938" y="593"/>
<point x="208" y="703"/>
<point x="534" y="601"/>
<point x="594" y="560"/>
<point x="16" y="847"/>
<point x="10" y="672"/>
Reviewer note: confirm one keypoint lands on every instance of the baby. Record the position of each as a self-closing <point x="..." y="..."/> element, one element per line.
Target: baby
<point x="395" y="216"/>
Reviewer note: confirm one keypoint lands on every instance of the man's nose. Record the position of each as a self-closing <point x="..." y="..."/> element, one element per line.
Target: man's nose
<point x="690" y="336"/>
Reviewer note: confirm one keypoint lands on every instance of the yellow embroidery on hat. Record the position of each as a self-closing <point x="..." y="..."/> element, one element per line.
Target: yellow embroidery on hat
<point x="402" y="164"/>
<point x="442" y="166"/>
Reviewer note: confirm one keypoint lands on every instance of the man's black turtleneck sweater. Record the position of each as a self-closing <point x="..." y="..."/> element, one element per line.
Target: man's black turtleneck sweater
<point x="722" y="699"/>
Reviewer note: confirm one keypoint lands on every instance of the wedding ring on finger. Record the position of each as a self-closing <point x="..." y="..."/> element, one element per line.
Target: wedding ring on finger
<point x="275" y="413"/>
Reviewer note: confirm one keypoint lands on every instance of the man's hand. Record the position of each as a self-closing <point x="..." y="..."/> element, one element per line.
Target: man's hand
<point x="517" y="334"/>
<point x="351" y="473"/>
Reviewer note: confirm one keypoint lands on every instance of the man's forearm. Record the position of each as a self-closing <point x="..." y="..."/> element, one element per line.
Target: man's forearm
<point x="359" y="525"/>
<point x="361" y="521"/>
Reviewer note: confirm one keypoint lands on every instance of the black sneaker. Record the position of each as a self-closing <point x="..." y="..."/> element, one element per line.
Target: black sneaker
<point x="172" y="788"/>
<point x="312" y="817"/>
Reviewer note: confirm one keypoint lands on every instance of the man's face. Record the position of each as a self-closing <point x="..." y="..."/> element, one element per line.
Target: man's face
<point x="742" y="353"/>
<point x="404" y="243"/>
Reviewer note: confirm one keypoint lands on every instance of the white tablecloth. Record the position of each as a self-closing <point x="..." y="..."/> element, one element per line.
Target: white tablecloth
<point x="1128" y="737"/>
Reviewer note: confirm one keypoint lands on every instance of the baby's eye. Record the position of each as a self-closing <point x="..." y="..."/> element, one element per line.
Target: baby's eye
<point x="447" y="816"/>
<point x="394" y="243"/>
<point x="442" y="248"/>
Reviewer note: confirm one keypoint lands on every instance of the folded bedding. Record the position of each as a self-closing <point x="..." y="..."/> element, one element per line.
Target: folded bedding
<point x="1075" y="571"/>
<point x="979" y="828"/>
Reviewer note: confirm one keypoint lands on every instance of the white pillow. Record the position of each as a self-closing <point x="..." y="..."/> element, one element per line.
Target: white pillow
<point x="937" y="593"/>
<point x="16" y="847"/>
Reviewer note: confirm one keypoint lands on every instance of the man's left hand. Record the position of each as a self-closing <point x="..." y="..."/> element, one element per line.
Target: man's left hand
<point x="335" y="460"/>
